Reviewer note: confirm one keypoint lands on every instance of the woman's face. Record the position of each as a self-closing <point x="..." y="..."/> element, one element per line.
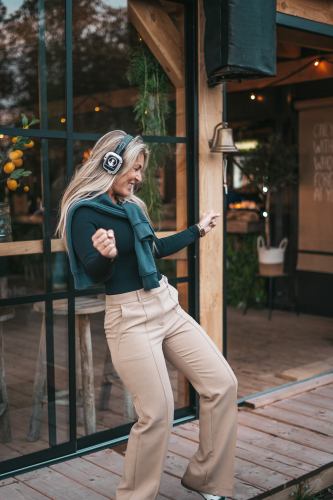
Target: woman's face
<point x="125" y="183"/>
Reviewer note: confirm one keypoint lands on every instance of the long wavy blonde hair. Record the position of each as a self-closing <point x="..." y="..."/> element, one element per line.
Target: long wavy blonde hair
<point x="91" y="180"/>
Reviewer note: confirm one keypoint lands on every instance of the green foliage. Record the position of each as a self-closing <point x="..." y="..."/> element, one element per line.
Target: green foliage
<point x="242" y="265"/>
<point x="273" y="164"/>
<point x="151" y="111"/>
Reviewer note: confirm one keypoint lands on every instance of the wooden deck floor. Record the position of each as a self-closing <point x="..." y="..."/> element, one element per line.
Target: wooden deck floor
<point x="280" y="445"/>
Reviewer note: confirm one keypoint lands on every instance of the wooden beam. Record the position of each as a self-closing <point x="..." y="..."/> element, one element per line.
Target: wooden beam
<point x="37" y="246"/>
<point x="315" y="10"/>
<point x="304" y="39"/>
<point x="311" y="73"/>
<point x="210" y="197"/>
<point x="288" y="51"/>
<point x="161" y="36"/>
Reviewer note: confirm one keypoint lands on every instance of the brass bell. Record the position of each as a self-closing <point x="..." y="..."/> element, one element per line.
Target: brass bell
<point x="223" y="141"/>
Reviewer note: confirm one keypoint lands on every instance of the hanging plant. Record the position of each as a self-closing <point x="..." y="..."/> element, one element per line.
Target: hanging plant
<point x="151" y="111"/>
<point x="12" y="158"/>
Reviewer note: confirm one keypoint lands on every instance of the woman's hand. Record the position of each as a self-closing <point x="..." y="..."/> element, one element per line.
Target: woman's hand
<point x="105" y="242"/>
<point x="208" y="220"/>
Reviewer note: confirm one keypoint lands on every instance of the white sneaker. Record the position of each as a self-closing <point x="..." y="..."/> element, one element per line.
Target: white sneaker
<point x="207" y="496"/>
<point x="211" y="497"/>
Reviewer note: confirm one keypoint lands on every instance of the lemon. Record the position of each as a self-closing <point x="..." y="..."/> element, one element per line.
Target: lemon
<point x="19" y="152"/>
<point x="12" y="184"/>
<point x="27" y="126"/>
<point x="18" y="162"/>
<point x="29" y="145"/>
<point x="9" y="168"/>
<point x="14" y="155"/>
<point x="14" y="140"/>
<point x="26" y="188"/>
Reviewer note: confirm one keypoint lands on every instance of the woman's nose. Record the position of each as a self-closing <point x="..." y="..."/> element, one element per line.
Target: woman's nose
<point x="138" y="177"/>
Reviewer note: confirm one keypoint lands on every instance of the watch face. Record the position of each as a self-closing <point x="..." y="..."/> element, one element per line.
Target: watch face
<point x="112" y="162"/>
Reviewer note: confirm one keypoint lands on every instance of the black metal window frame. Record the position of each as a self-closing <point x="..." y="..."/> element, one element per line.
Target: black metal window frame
<point x="80" y="446"/>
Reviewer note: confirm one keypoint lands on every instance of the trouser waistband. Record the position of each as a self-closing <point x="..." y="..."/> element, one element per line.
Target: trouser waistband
<point x="136" y="295"/>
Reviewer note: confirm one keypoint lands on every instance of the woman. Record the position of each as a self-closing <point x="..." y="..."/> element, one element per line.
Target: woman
<point x="107" y="233"/>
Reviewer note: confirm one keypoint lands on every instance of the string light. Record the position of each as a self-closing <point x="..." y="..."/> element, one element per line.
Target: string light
<point x="260" y="98"/>
<point x="316" y="63"/>
<point x="97" y="108"/>
<point x="1" y="136"/>
<point x="63" y="120"/>
<point x="265" y="214"/>
<point x="253" y="97"/>
<point x="265" y="189"/>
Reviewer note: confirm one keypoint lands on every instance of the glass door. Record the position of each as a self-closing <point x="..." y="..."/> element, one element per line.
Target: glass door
<point x="70" y="72"/>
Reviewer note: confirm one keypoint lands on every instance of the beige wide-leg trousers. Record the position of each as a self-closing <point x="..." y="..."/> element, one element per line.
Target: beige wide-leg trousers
<point x="143" y="329"/>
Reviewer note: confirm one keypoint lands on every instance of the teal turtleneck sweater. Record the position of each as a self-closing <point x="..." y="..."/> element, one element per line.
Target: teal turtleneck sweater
<point x="123" y="274"/>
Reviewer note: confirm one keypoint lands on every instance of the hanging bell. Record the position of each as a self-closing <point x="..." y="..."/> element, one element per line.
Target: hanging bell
<point x="222" y="141"/>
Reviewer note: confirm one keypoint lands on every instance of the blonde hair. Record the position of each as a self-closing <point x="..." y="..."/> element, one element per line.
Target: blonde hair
<point x="91" y="180"/>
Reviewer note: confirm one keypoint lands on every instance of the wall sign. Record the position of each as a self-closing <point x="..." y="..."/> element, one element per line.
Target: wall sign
<point x="316" y="185"/>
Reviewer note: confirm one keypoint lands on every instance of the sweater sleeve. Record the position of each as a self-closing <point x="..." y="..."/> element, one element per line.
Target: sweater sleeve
<point x="84" y="225"/>
<point x="172" y="244"/>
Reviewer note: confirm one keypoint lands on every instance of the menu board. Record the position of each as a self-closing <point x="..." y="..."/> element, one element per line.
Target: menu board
<point x="315" y="205"/>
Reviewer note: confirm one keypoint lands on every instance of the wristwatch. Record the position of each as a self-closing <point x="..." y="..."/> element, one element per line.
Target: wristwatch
<point x="202" y="230"/>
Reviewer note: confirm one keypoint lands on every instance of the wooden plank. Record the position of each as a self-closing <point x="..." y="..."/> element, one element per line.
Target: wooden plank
<point x="259" y="476"/>
<point x="37" y="246"/>
<point x="57" y="486"/>
<point x="297" y="419"/>
<point x="283" y="69"/>
<point x="286" y="392"/>
<point x="272" y="460"/>
<point x="210" y="197"/>
<point x="254" y="454"/>
<point x="285" y="431"/>
<point x="304" y="39"/>
<point x="317" y="483"/>
<point x="245" y="491"/>
<point x="315" y="10"/>
<point x="326" y="392"/>
<point x="161" y="36"/>
<point x="305" y="409"/>
<point x="20" y="491"/>
<point x="305" y="456"/>
<point x="309" y="370"/>
<point x="315" y="400"/>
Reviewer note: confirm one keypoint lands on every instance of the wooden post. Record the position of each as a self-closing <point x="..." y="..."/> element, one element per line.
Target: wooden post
<point x="39" y="388"/>
<point x="210" y="197"/>
<point x="88" y="390"/>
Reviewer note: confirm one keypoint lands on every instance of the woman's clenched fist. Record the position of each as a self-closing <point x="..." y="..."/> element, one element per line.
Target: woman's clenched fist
<point x="105" y="242"/>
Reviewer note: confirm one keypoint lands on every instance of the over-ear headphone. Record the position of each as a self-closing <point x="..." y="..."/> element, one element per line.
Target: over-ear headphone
<point x="112" y="161"/>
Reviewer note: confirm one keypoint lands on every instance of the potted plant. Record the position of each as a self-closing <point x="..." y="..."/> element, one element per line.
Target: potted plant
<point x="272" y="166"/>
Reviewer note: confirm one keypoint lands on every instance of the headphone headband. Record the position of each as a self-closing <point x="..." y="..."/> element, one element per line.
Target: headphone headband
<point x="112" y="161"/>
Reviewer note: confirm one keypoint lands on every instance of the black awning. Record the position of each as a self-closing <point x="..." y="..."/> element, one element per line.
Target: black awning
<point x="240" y="39"/>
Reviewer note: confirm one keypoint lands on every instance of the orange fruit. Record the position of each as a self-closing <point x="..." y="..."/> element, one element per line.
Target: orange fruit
<point x="12" y="184"/>
<point x="14" y="155"/>
<point x="9" y="167"/>
<point x="18" y="162"/>
<point x="29" y="145"/>
<point x="19" y="152"/>
<point x="27" y="126"/>
<point x="14" y="140"/>
<point x="26" y="188"/>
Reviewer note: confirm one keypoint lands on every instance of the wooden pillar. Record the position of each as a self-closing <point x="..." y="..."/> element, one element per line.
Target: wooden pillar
<point x="210" y="197"/>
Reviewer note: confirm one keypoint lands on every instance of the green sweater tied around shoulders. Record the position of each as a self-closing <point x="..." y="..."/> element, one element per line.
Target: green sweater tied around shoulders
<point x="143" y="236"/>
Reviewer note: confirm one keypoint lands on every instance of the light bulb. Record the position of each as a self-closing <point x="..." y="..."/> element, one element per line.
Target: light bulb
<point x="97" y="108"/>
<point x="265" y="214"/>
<point x="265" y="189"/>
<point x="316" y="63"/>
<point x="253" y="97"/>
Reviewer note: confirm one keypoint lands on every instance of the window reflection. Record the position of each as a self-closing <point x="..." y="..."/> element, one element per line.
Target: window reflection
<point x="19" y="61"/>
